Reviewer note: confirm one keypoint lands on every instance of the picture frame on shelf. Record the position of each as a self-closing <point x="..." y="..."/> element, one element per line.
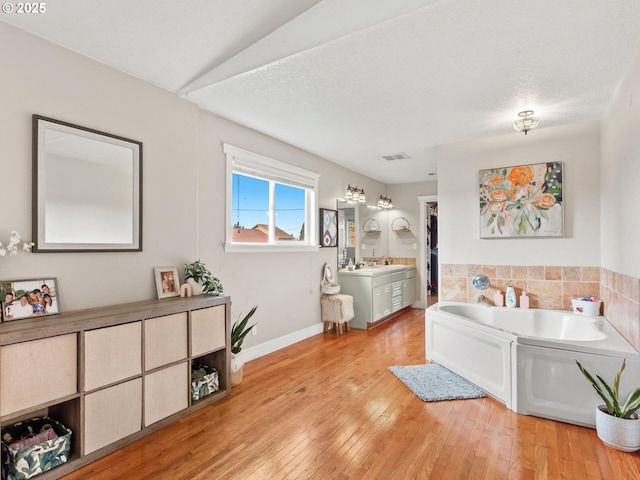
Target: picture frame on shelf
<point x="167" y="281"/>
<point x="328" y="227"/>
<point x="29" y="298"/>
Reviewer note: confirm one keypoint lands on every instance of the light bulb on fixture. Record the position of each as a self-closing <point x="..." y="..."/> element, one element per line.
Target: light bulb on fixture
<point x="526" y="121"/>
<point x="361" y="198"/>
<point x="385" y="203"/>
<point x="348" y="194"/>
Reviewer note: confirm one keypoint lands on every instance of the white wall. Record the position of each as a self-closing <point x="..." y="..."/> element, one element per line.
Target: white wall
<point x="183" y="189"/>
<point x="458" y="205"/>
<point x="620" y="176"/>
<point x="406" y="205"/>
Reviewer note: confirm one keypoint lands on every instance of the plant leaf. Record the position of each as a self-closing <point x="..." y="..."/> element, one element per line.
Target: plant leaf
<point x="631" y="404"/>
<point x="596" y="386"/>
<point x="616" y="381"/>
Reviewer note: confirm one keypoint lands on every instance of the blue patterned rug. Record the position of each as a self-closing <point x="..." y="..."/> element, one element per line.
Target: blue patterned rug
<point x="433" y="382"/>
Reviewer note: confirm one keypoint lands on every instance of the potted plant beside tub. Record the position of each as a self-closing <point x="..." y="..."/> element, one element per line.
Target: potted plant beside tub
<point x="617" y="424"/>
<point x="201" y="279"/>
<point x="239" y="330"/>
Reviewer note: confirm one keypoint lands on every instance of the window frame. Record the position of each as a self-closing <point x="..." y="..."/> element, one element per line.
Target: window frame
<point x="247" y="163"/>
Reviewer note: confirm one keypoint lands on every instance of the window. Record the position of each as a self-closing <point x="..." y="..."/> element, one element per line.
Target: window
<point x="270" y="205"/>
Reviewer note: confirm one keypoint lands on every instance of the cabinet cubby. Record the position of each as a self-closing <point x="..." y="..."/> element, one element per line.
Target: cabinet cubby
<point x="112" y="374"/>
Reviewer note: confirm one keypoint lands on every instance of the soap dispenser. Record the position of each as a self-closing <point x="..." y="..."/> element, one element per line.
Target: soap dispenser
<point x="510" y="297"/>
<point x="524" y="300"/>
<point x="498" y="299"/>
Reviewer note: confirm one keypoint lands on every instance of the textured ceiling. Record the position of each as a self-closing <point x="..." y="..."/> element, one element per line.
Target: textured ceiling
<point x="354" y="80"/>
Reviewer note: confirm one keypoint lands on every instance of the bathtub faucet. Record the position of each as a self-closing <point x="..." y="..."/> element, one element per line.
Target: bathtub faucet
<point x="480" y="299"/>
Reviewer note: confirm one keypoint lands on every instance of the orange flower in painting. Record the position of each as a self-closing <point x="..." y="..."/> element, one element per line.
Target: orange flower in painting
<point x="499" y="195"/>
<point x="521" y="175"/>
<point x="546" y="200"/>
<point x="495" y="207"/>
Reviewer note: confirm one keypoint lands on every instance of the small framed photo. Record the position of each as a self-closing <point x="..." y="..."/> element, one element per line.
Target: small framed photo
<point x="29" y="298"/>
<point x="167" y="282"/>
<point x="328" y="227"/>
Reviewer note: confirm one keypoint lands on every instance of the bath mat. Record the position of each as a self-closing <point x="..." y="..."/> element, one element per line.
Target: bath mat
<point x="433" y="382"/>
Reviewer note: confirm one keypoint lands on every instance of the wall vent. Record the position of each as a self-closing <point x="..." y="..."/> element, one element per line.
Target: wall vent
<point x="395" y="156"/>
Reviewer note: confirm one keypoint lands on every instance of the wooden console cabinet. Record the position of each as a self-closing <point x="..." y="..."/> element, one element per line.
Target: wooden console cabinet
<point x="113" y="374"/>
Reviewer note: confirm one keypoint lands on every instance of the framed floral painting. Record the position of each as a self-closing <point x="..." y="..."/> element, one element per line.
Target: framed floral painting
<point x="522" y="201"/>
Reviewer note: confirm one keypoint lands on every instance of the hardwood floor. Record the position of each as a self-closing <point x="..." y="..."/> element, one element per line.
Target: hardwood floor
<point x="328" y="408"/>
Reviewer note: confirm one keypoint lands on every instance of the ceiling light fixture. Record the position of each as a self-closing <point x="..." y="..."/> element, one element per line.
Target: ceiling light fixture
<point x="385" y="203"/>
<point x="526" y="122"/>
<point x="355" y="195"/>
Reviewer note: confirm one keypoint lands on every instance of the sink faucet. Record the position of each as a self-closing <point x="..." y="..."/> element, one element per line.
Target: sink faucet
<point x="480" y="299"/>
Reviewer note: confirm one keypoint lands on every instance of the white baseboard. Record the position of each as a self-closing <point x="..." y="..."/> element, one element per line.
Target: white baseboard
<point x="257" y="351"/>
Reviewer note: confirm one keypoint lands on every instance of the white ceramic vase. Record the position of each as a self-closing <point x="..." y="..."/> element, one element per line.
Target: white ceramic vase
<point x="619" y="433"/>
<point x="237" y="369"/>
<point x="196" y="287"/>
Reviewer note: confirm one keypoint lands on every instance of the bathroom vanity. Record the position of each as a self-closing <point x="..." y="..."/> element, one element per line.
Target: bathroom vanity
<point x="378" y="292"/>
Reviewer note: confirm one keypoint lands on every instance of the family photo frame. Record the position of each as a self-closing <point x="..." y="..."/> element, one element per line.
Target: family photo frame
<point x="167" y="282"/>
<point x="31" y="298"/>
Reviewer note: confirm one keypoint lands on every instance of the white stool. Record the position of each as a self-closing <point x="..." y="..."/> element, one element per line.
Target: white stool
<point x="337" y="309"/>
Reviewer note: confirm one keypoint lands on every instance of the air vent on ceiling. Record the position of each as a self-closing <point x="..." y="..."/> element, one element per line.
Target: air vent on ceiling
<point x="395" y="156"/>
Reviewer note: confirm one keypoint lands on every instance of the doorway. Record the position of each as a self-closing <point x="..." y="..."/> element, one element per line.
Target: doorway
<point x="431" y="252"/>
<point x="429" y="266"/>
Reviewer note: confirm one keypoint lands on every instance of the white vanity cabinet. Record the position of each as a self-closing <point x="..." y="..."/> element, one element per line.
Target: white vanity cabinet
<point x="112" y="374"/>
<point x="378" y="292"/>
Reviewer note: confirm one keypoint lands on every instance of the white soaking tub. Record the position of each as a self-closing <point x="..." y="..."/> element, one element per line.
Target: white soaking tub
<point x="526" y="358"/>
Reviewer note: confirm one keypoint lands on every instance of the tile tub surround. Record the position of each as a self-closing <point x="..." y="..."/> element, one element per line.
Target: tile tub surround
<point x="552" y="287"/>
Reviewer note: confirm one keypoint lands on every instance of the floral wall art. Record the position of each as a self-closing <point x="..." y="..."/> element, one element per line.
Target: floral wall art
<point x="521" y="201"/>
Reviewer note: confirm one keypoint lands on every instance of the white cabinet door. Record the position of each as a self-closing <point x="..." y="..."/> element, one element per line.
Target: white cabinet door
<point x="408" y="291"/>
<point x="382" y="305"/>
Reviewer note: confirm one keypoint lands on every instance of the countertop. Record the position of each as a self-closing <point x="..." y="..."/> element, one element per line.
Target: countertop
<point x="375" y="271"/>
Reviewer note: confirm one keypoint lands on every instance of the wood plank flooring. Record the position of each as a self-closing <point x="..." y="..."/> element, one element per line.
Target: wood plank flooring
<point x="328" y="408"/>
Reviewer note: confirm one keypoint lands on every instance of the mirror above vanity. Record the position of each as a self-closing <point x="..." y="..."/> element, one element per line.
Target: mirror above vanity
<point x="87" y="189"/>
<point x="362" y="232"/>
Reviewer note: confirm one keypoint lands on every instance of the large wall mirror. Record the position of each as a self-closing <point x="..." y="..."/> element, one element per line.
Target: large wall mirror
<point x="356" y="238"/>
<point x="87" y="189"/>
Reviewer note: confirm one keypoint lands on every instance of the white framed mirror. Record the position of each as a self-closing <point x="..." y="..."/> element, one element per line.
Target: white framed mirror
<point x="87" y="189"/>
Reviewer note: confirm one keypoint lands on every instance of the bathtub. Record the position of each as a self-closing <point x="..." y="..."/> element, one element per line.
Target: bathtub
<point x="526" y="358"/>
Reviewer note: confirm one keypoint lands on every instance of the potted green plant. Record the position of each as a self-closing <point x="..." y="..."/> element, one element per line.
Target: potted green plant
<point x="239" y="331"/>
<point x="201" y="279"/>
<point x="617" y="423"/>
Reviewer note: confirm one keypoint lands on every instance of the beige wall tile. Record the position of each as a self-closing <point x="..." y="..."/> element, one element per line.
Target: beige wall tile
<point x="519" y="272"/>
<point x="544" y="294"/>
<point x="570" y="274"/>
<point x="460" y="270"/>
<point x="535" y="273"/>
<point x="453" y="289"/>
<point x="553" y="273"/>
<point x="503" y="271"/>
<point x="590" y="274"/>
<point x="446" y="270"/>
<point x="489" y="271"/>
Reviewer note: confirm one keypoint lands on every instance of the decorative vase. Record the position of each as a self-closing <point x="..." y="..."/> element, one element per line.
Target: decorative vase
<point x="196" y="287"/>
<point x="237" y="368"/>
<point x="619" y="433"/>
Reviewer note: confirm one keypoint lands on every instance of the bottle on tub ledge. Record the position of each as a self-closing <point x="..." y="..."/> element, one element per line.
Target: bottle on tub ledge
<point x="510" y="297"/>
<point x="524" y="300"/>
<point x="498" y="299"/>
